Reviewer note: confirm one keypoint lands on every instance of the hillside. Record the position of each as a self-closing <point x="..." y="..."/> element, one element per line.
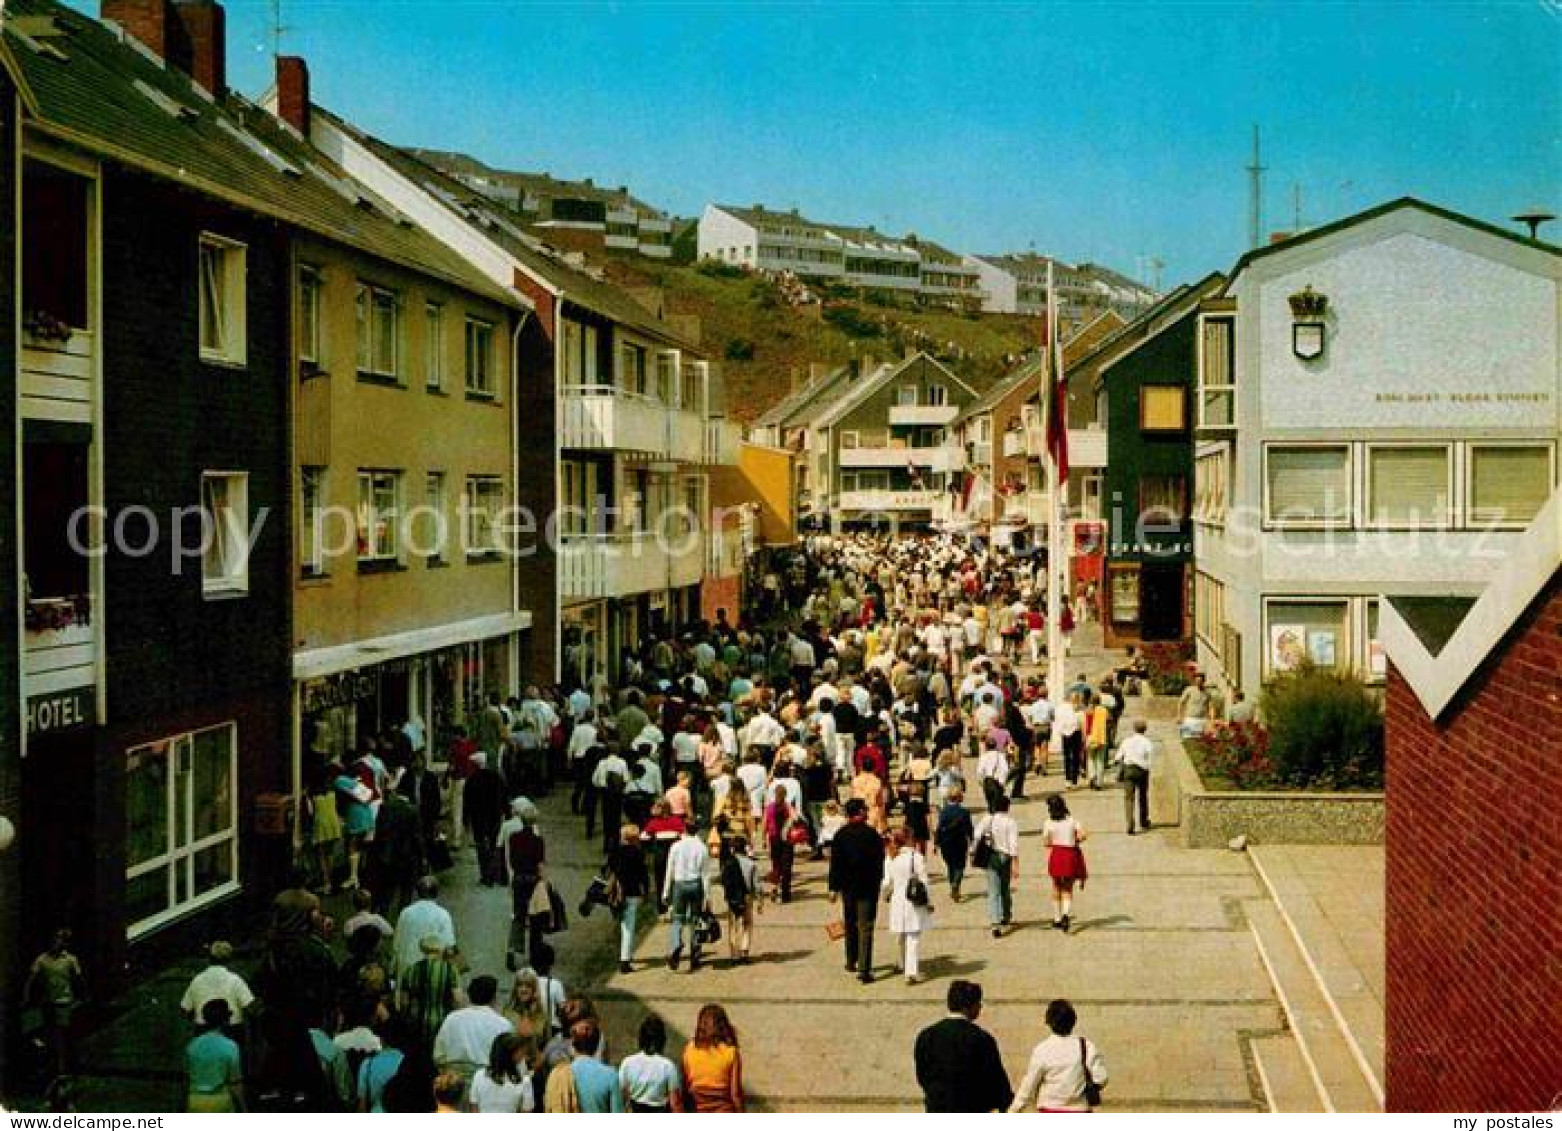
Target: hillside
<point x="764" y="341"/>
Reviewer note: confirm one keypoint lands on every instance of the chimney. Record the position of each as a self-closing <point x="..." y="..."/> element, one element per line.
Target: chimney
<point x="147" y="20"/>
<point x="205" y="31"/>
<point x="293" y="92"/>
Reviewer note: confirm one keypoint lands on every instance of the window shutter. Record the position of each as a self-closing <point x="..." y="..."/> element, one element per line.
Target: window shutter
<point x="1508" y="485"/>
<point x="1409" y="484"/>
<point x="1308" y="484"/>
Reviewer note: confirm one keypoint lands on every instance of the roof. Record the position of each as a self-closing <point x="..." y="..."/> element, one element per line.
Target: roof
<point x="850" y="233"/>
<point x="1437" y="650"/>
<point x="101" y="91"/>
<point x="535" y="257"/>
<point x="776" y="415"/>
<point x="1326" y="230"/>
<point x="1030" y="370"/>
<point x="1149" y="325"/>
<point x="883" y="375"/>
<point x="539" y="184"/>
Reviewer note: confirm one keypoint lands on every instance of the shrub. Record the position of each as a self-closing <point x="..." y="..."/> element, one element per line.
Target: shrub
<point x="1168" y="664"/>
<point x="1325" y="730"/>
<point x="1168" y="682"/>
<point x="1238" y="754"/>
<point x="739" y="349"/>
<point x="850" y="321"/>
<point x="718" y="270"/>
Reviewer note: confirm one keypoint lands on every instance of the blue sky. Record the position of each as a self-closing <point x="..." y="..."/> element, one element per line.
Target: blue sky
<point x="1103" y="131"/>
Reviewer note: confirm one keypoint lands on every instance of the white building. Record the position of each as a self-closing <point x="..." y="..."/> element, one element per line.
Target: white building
<point x="1378" y="412"/>
<point x="1017" y="284"/>
<point x="762" y="239"/>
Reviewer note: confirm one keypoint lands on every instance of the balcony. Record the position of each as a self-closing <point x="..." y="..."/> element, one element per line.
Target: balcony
<point x="598" y="417"/>
<point x="59" y="645"/>
<point x="1014" y="444"/>
<point x="934" y="459"/>
<point x="56" y="376"/>
<point x="1086" y="446"/>
<point x="686" y="435"/>
<point x="923" y="414"/>
<point x="722" y="441"/>
<point x="615" y="565"/>
<point x="1025" y="508"/>
<point x="686" y="561"/>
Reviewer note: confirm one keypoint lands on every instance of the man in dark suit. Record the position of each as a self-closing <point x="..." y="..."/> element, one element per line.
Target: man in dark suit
<point x="856" y="872"/>
<point x="958" y="1063"/>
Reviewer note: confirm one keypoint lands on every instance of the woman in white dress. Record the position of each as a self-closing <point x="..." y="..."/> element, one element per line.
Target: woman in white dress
<point x="910" y="909"/>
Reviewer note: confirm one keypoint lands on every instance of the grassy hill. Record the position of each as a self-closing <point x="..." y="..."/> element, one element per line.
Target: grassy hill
<point x="764" y="342"/>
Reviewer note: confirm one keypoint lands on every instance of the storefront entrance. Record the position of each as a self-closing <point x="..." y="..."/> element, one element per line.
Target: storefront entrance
<point x="1161" y="590"/>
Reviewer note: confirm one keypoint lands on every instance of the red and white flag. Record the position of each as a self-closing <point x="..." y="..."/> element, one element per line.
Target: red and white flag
<point x="1055" y="408"/>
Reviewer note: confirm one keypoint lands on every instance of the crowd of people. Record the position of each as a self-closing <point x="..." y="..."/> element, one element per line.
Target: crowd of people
<point x="874" y="688"/>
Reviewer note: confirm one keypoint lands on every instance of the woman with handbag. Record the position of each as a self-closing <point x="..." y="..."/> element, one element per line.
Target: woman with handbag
<point x="628" y="881"/>
<point x="1063" y="836"/>
<point x="1065" y="1073"/>
<point x="910" y="906"/>
<point x="997" y="850"/>
<point x="784" y="829"/>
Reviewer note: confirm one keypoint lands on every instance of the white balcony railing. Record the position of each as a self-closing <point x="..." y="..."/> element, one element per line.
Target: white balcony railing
<point x="607" y="418"/>
<point x="619" y="565"/>
<point x="934" y="459"/>
<point x="1086" y="446"/>
<point x="1014" y="444"/>
<point x="722" y="441"/>
<point x="56" y="376"/>
<point x="927" y="414"/>
<point x="686" y="436"/>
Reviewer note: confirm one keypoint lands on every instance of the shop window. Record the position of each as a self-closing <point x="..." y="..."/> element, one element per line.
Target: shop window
<point x="1408" y="486"/>
<point x="1125" y="595"/>
<point x="225" y="563"/>
<point x="1508" y="483"/>
<point x="181" y="806"/>
<point x="1301" y="632"/>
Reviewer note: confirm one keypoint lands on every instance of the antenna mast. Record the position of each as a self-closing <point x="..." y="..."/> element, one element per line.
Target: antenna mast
<point x="277" y="28"/>
<point x="1255" y="203"/>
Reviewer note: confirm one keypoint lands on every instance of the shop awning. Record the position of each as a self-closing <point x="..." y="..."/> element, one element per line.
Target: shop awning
<point x="317" y="662"/>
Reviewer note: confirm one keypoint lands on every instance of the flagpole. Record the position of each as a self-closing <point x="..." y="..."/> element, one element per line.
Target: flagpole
<point x="1056" y="558"/>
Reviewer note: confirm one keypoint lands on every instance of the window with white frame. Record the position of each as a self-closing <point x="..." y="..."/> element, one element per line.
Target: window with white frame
<point x="480" y="363"/>
<point x="309" y="315"/>
<point x="222" y="305"/>
<point x="632" y="371"/>
<point x="849" y="440"/>
<point x="693" y="392"/>
<point x="434" y="347"/>
<point x="379" y="513"/>
<point x="1217" y="373"/>
<point x="379" y="331"/>
<point x="906" y="396"/>
<point x="1211" y="494"/>
<point x="225" y="562"/>
<point x="1300" y="632"/>
<point x="1508" y="483"/>
<point x="311" y="512"/>
<point x="484" y="513"/>
<point x="1209" y="609"/>
<point x="1409" y="485"/>
<point x="436" y="534"/>
<point x="181" y="825"/>
<point x="937" y="395"/>
<point x="666" y="376"/>
<point x="1307" y="485"/>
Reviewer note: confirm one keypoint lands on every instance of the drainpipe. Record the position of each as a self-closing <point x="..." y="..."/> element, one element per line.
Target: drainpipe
<point x="515" y="466"/>
<point x="558" y="438"/>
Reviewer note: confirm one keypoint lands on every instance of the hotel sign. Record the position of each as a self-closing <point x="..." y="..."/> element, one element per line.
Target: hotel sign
<point x="55" y="712"/>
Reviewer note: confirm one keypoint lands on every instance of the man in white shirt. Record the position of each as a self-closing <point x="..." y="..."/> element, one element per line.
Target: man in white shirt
<point x="466" y="1035"/>
<point x="992" y="770"/>
<point x="1067" y="738"/>
<point x="763" y="731"/>
<point x="1136" y="752"/>
<point x="752" y="776"/>
<point x="538" y="712"/>
<point x="418" y="921"/>
<point x="684" y="891"/>
<point x="218" y="982"/>
<point x="581" y="739"/>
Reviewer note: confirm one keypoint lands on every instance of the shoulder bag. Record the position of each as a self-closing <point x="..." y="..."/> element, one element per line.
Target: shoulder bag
<point x="1092" y="1091"/>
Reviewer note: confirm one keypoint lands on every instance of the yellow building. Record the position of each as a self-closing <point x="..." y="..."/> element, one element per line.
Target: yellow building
<point x="404" y="437"/>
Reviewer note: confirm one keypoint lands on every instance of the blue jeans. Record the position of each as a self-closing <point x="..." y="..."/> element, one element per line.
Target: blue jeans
<point x="687" y="903"/>
<point x="628" y="917"/>
<point x="1000" y="900"/>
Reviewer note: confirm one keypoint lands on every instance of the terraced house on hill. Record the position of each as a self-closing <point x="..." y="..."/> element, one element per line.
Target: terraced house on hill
<point x="766" y="240"/>
<point x="637" y="414"/>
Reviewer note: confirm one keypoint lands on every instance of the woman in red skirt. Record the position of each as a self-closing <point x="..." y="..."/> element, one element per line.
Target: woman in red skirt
<point x="1065" y="859"/>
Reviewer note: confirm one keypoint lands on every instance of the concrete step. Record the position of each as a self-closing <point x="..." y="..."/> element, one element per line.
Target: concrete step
<point x="1288" y="1084"/>
<point x="1328" y="1055"/>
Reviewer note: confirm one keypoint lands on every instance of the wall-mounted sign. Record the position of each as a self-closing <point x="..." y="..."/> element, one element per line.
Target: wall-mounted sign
<point x="58" y="711"/>
<point x="339" y="690"/>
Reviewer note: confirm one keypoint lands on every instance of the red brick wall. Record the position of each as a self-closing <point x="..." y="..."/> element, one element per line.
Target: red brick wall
<point x="1474" y="896"/>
